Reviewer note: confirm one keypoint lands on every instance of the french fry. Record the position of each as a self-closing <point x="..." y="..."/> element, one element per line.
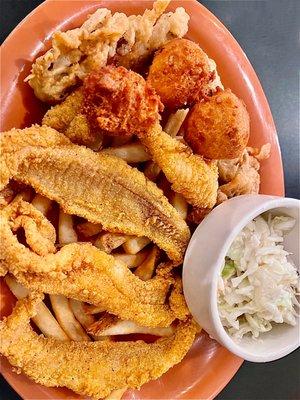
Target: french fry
<point x="132" y="260"/>
<point x="24" y="195"/>
<point x="135" y="244"/>
<point x="92" y="309"/>
<point x="109" y="241"/>
<point x="66" y="231"/>
<point x="120" y="140"/>
<point x="179" y="203"/>
<point x="89" y="229"/>
<point x="131" y="153"/>
<point x="41" y="203"/>
<point x="146" y="270"/>
<point x="44" y="320"/>
<point x="116" y="394"/>
<point x="109" y="325"/>
<point x="151" y="170"/>
<point x="79" y="312"/>
<point x="66" y="319"/>
<point x="175" y="122"/>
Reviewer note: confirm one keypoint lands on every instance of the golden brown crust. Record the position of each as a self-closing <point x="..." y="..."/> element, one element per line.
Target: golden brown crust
<point x="81" y="271"/>
<point x="190" y="175"/>
<point x="89" y="368"/>
<point x="218" y="127"/>
<point x="119" y="101"/>
<point x="180" y="73"/>
<point x="99" y="187"/>
<point x="67" y="118"/>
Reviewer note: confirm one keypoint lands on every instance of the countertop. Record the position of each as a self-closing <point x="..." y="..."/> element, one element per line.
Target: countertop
<point x="267" y="31"/>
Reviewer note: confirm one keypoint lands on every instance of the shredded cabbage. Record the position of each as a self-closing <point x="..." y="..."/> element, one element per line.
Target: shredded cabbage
<point x="258" y="285"/>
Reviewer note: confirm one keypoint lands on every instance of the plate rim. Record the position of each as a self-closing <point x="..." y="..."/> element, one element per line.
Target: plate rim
<point x="17" y="386"/>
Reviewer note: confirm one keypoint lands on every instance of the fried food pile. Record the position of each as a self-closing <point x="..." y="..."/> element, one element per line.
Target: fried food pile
<point x="104" y="37"/>
<point x="98" y="204"/>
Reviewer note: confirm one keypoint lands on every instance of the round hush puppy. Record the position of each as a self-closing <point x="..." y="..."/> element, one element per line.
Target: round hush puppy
<point x="120" y="102"/>
<point x="180" y="73"/>
<point x="218" y="127"/>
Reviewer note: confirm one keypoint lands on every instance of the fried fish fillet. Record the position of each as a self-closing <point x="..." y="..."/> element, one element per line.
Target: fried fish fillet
<point x="83" y="272"/>
<point x="89" y="368"/>
<point x="99" y="187"/>
<point x="190" y="174"/>
<point x="67" y="117"/>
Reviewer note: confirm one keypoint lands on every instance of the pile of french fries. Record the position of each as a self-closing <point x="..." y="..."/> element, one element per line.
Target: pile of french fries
<point x="69" y="319"/>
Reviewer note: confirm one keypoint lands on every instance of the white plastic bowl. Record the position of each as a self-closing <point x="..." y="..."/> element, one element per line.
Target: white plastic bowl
<point x="202" y="267"/>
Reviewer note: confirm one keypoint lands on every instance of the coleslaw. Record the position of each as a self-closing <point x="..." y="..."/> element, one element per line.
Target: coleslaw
<point x="259" y="284"/>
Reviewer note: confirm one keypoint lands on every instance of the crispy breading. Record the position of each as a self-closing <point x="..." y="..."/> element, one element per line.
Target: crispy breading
<point x="180" y="73"/>
<point x="99" y="187"/>
<point x="119" y="101"/>
<point x="190" y="174"/>
<point x="67" y="117"/>
<point x="240" y="176"/>
<point x="218" y="127"/>
<point x="89" y="368"/>
<point x="83" y="272"/>
<point x="102" y="36"/>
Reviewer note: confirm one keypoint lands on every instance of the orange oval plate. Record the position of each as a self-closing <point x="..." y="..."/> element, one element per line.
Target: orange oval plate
<point x="208" y="367"/>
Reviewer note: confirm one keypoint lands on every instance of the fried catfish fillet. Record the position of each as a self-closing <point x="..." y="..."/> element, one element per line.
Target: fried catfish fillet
<point x="88" y="368"/>
<point x="83" y="272"/>
<point x="190" y="174"/>
<point x="67" y="117"/>
<point x="99" y="187"/>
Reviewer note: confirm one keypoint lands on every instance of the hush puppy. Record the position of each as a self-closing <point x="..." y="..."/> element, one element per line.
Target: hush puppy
<point x="218" y="127"/>
<point x="120" y="102"/>
<point x="180" y="73"/>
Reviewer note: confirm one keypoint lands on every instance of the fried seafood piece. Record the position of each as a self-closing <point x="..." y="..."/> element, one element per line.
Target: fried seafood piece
<point x="83" y="272"/>
<point x="88" y="368"/>
<point x="240" y="176"/>
<point x="181" y="73"/>
<point x="98" y="187"/>
<point x="67" y="117"/>
<point x="120" y="101"/>
<point x="190" y="175"/>
<point x="218" y="127"/>
<point x="102" y="37"/>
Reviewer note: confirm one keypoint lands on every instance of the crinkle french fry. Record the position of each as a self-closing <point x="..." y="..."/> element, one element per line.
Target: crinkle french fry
<point x="179" y="202"/>
<point x="146" y="270"/>
<point x="41" y="203"/>
<point x="109" y="325"/>
<point x="135" y="244"/>
<point x="82" y="317"/>
<point x="92" y="309"/>
<point x="132" y="152"/>
<point x="175" y="122"/>
<point x="132" y="260"/>
<point x="116" y="394"/>
<point x="66" y="231"/>
<point x="109" y="241"/>
<point x="44" y="320"/>
<point x="66" y="319"/>
<point x="89" y="229"/>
